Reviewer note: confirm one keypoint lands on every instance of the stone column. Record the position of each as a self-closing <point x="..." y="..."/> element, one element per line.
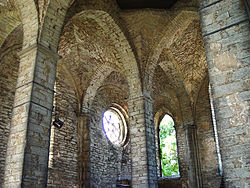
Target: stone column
<point x="193" y="159"/>
<point x="28" y="144"/>
<point x="142" y="136"/>
<point x="83" y="150"/>
<point x="225" y="27"/>
<point x="158" y="151"/>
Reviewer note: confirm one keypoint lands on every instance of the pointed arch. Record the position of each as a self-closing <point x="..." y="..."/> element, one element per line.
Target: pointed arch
<point x="176" y="26"/>
<point x="43" y="24"/>
<point x="203" y="84"/>
<point x="181" y="93"/>
<point x="10" y="20"/>
<point x="97" y="80"/>
<point x="29" y="17"/>
<point x="125" y="54"/>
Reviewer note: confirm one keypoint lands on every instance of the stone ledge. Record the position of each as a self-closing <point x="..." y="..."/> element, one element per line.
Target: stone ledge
<point x="41" y="48"/>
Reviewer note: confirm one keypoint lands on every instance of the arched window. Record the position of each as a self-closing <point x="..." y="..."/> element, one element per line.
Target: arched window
<point x="114" y="126"/>
<point x="168" y="147"/>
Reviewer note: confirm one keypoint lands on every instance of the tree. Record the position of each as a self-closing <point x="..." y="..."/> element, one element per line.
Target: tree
<point x="169" y="157"/>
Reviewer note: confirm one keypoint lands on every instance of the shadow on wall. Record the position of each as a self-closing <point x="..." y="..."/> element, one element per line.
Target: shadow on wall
<point x="170" y="182"/>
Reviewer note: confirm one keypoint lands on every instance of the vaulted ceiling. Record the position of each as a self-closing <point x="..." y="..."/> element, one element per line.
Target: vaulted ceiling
<point x="138" y="4"/>
<point x="165" y="43"/>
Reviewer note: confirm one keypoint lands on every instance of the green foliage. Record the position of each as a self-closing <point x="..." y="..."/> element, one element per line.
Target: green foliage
<point x="169" y="158"/>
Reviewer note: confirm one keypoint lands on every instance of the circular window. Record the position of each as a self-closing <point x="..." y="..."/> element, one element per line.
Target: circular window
<point x="114" y="126"/>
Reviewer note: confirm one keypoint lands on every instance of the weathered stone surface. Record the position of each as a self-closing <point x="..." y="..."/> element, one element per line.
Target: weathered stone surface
<point x="63" y="143"/>
<point x="226" y="56"/>
<point x="9" y="63"/>
<point x="206" y="140"/>
<point x="150" y="62"/>
<point x="108" y="162"/>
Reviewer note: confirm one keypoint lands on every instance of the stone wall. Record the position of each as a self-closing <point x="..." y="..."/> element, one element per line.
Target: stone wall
<point x="108" y="163"/>
<point x="63" y="145"/>
<point x="167" y="100"/>
<point x="225" y="26"/>
<point x="206" y="140"/>
<point x="161" y="60"/>
<point x="171" y="182"/>
<point x="9" y="63"/>
<point x="182" y="149"/>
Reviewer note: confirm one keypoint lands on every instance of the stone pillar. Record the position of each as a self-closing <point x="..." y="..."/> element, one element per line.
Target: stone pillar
<point x="83" y="150"/>
<point x="158" y="150"/>
<point x="28" y="145"/>
<point x="192" y="153"/>
<point x="225" y="27"/>
<point x="142" y="136"/>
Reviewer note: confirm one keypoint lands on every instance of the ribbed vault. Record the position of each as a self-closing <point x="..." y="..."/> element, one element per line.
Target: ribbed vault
<point x="88" y="60"/>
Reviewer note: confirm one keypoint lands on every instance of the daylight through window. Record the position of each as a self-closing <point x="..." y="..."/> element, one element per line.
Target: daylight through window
<point x="169" y="155"/>
<point x="114" y="126"/>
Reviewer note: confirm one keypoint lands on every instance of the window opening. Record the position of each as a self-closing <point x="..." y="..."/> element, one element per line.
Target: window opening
<point x="114" y="126"/>
<point x="168" y="147"/>
<point x="215" y="132"/>
<point x="51" y="147"/>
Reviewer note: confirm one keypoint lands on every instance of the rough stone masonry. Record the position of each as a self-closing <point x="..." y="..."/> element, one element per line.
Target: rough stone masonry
<point x="74" y="59"/>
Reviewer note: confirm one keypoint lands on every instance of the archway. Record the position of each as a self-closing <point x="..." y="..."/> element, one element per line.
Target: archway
<point x="168" y="147"/>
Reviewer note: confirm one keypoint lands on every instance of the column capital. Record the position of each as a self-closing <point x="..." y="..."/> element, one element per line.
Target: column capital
<point x="85" y="111"/>
<point x="41" y="48"/>
<point x="141" y="97"/>
<point x="189" y="126"/>
<point x="193" y="126"/>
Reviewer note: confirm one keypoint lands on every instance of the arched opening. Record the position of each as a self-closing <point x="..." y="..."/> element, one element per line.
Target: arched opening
<point x="168" y="148"/>
<point x="9" y="64"/>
